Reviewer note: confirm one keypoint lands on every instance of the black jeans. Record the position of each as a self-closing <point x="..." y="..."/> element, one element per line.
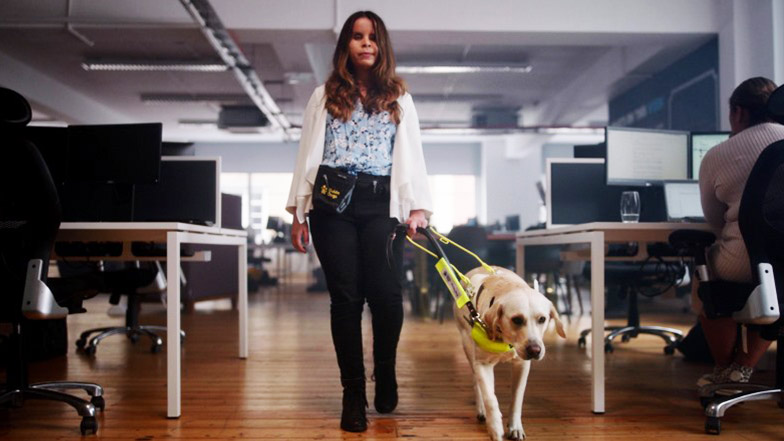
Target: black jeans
<point x="352" y="249"/>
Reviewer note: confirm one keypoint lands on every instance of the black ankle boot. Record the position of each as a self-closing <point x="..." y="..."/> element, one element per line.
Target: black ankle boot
<point x="353" y="418"/>
<point x="386" y="387"/>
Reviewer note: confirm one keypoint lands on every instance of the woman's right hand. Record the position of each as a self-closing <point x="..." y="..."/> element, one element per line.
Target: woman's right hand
<point x="299" y="235"/>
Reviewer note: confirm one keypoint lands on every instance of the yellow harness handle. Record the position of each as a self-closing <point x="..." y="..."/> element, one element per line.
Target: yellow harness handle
<point x="463" y="278"/>
<point x="449" y="241"/>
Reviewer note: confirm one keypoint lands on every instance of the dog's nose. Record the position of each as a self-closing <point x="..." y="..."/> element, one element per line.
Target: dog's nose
<point x="533" y="350"/>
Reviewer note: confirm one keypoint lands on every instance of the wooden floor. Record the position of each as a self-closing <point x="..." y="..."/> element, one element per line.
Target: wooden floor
<point x="288" y="388"/>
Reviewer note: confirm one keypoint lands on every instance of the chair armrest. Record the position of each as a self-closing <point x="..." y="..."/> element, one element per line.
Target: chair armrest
<point x="762" y="306"/>
<point x="38" y="302"/>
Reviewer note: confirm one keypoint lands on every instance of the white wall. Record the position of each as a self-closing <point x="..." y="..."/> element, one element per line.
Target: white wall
<point x="510" y="183"/>
<point x="451" y="158"/>
<point x="750" y="45"/>
<point x="268" y="157"/>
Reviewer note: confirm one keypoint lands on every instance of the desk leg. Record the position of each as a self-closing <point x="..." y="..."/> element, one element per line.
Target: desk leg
<point x="597" y="323"/>
<point x="173" y="361"/>
<point x="520" y="261"/>
<point x="243" y="299"/>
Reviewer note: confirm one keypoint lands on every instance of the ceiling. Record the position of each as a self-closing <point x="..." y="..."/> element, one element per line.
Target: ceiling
<point x="580" y="56"/>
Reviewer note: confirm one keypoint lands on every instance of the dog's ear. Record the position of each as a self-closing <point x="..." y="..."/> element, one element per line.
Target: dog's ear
<point x="492" y="318"/>
<point x="559" y="327"/>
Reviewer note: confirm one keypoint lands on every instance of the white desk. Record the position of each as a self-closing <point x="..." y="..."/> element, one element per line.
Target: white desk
<point x="597" y="234"/>
<point x="173" y="234"/>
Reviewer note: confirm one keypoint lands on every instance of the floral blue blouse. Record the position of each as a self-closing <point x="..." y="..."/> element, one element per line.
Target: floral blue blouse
<point x="363" y="144"/>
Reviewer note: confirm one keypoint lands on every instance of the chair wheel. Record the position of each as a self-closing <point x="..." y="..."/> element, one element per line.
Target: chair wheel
<point x="90" y="350"/>
<point x="80" y="343"/>
<point x="608" y="348"/>
<point x="134" y="337"/>
<point x="669" y="350"/>
<point x="705" y="401"/>
<point x="712" y="425"/>
<point x="89" y="425"/>
<point x="98" y="402"/>
<point x="155" y="348"/>
<point x="626" y="337"/>
<point x="581" y="342"/>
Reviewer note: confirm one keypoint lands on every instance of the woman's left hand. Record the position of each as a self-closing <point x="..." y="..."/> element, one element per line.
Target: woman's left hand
<point x="416" y="219"/>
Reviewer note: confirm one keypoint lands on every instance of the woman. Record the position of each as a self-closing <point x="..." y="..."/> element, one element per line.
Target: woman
<point x="723" y="174"/>
<point x="363" y="123"/>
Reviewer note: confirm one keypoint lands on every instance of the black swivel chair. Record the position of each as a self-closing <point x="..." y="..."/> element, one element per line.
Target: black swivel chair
<point x="632" y="279"/>
<point x="473" y="238"/>
<point x="29" y="220"/>
<point x="761" y="220"/>
<point x="131" y="281"/>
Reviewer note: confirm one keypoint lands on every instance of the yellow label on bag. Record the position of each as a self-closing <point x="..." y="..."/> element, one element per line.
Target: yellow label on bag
<point x="330" y="192"/>
<point x="452" y="283"/>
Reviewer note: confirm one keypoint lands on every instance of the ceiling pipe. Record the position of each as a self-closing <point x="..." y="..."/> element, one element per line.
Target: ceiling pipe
<point x="229" y="51"/>
<point x="69" y="27"/>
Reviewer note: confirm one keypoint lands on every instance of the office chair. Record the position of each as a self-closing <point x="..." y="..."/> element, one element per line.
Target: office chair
<point x="633" y="279"/>
<point x="545" y="260"/>
<point x="29" y="220"/>
<point x="473" y="238"/>
<point x="135" y="280"/>
<point x="761" y="221"/>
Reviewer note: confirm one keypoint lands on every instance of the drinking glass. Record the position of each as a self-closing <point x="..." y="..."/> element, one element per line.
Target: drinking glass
<point x="630" y="207"/>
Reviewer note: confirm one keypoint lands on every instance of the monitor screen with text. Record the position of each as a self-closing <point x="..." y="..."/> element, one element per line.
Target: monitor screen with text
<point x="700" y="144"/>
<point x="645" y="157"/>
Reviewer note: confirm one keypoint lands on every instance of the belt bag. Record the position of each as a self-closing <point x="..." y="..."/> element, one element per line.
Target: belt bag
<point x="332" y="189"/>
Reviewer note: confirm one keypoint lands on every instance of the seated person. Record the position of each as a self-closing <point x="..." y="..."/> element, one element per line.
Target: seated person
<point x="723" y="174"/>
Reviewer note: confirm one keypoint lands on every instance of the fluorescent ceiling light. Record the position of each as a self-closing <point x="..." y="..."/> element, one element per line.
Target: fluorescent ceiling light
<point x="208" y="98"/>
<point x="152" y="66"/>
<point x="463" y="69"/>
<point x="534" y="130"/>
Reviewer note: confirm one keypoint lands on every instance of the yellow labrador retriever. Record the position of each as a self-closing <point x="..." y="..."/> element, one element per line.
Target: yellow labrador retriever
<point x="515" y="314"/>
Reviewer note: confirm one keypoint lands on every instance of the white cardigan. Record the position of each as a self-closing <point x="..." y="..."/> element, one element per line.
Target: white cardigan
<point x="409" y="187"/>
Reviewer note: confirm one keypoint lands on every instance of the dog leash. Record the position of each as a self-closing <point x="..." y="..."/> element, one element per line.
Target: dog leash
<point x="456" y="282"/>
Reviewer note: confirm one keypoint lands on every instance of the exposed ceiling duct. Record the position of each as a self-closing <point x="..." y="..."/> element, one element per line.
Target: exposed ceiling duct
<point x="229" y="51"/>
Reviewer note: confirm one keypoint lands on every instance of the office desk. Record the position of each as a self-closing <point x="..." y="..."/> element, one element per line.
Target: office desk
<point x="598" y="234"/>
<point x="173" y="234"/>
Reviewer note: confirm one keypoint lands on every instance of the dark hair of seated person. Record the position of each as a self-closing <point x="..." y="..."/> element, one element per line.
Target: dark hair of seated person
<point x="752" y="95"/>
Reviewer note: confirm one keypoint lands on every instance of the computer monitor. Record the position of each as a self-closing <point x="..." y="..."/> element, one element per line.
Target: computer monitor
<point x="188" y="191"/>
<point x="591" y="151"/>
<point x="642" y="157"/>
<point x="683" y="202"/>
<point x="700" y="143"/>
<point x="52" y="143"/>
<point x="577" y="192"/>
<point x="512" y="222"/>
<point x="103" y="164"/>
<point x="114" y="154"/>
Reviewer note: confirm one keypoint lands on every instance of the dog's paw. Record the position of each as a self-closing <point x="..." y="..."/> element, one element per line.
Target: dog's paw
<point x="516" y="432"/>
<point x="495" y="429"/>
<point x="480" y="417"/>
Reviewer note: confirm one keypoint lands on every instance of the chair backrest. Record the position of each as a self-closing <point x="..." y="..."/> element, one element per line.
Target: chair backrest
<point x="29" y="206"/>
<point x="761" y="221"/>
<point x="473" y="238"/>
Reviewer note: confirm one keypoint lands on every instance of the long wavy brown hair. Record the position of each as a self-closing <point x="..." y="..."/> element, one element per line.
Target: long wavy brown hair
<point x="385" y="86"/>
